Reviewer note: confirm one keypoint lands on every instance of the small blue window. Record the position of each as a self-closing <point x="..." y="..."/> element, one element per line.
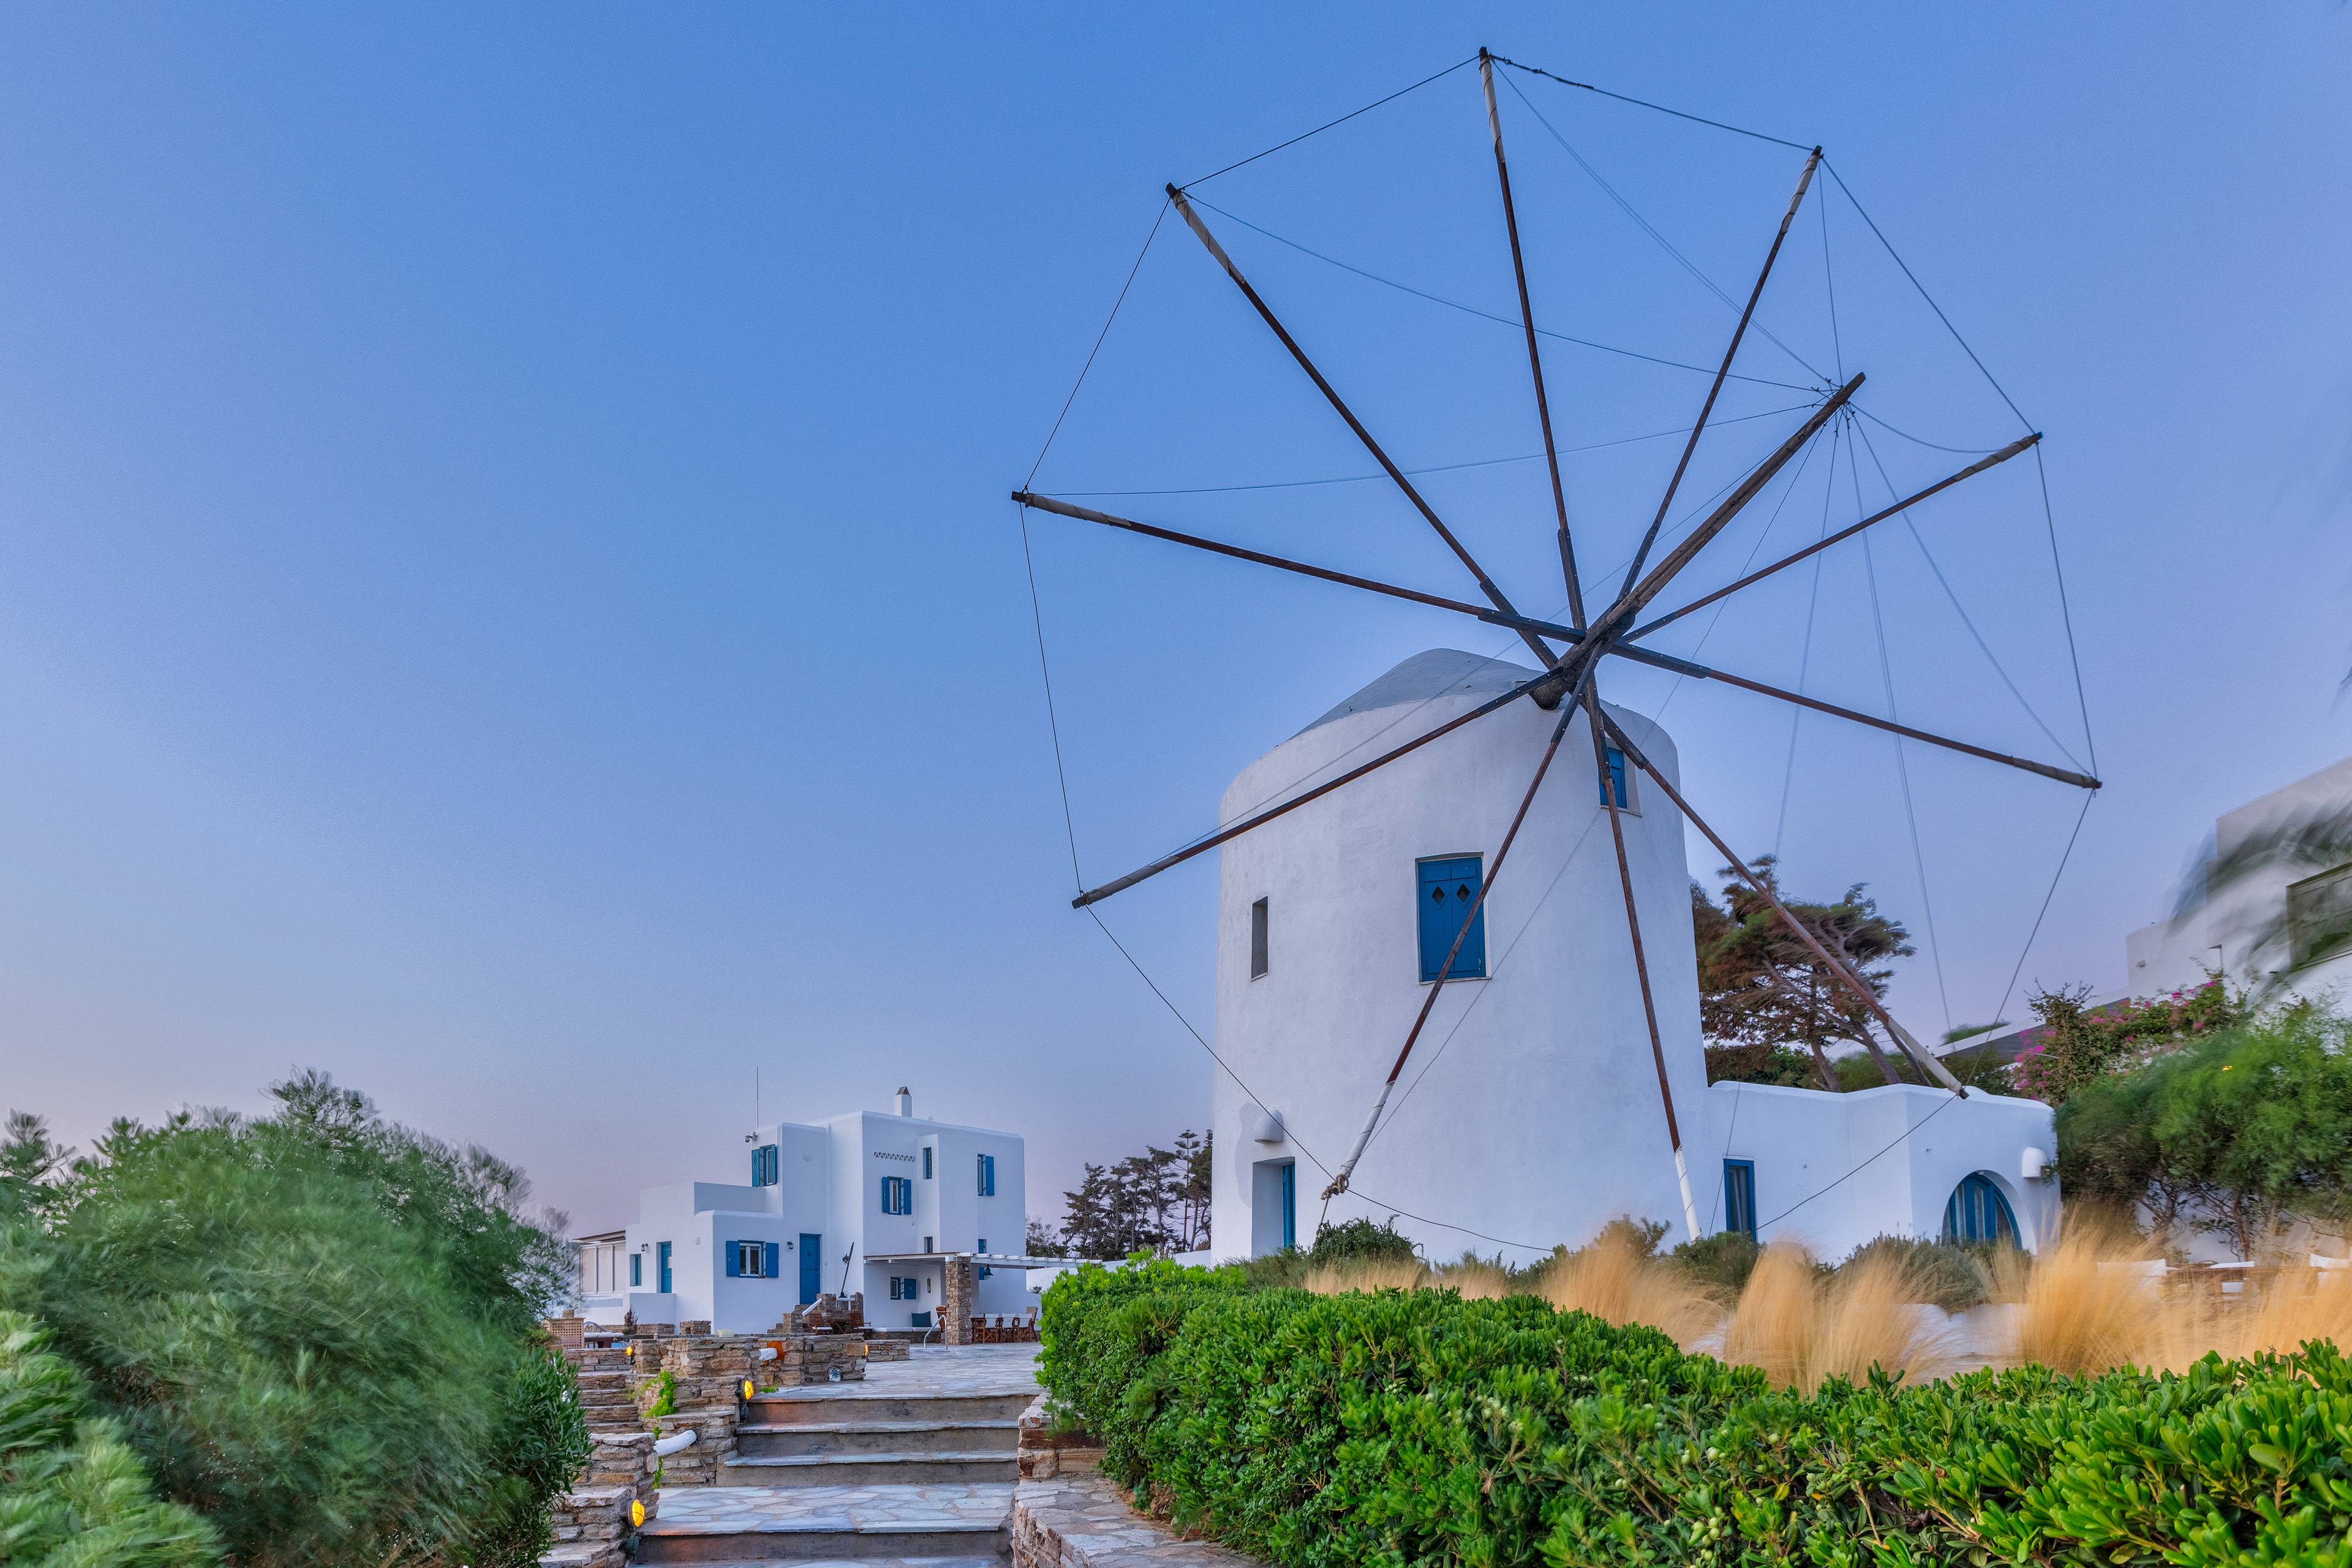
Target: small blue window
<point x="983" y="1249"/>
<point x="898" y="1195"/>
<point x="988" y="1175"/>
<point x="1447" y="891"/>
<point x="1739" y="1198"/>
<point x="636" y="1270"/>
<point x="927" y="1161"/>
<point x="763" y="1165"/>
<point x="1613" y="793"/>
<point x="1978" y="1211"/>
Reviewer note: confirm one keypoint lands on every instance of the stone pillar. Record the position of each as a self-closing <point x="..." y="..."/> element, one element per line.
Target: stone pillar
<point x="957" y="1295"/>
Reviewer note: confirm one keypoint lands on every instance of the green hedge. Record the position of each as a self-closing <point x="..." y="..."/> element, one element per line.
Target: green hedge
<point x="1417" y="1428"/>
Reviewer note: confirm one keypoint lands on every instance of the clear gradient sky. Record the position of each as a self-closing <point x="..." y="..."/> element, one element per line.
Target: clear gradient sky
<point x="506" y="591"/>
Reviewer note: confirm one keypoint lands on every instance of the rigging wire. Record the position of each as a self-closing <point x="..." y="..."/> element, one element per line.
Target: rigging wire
<point x="1645" y="103"/>
<point x="1433" y="468"/>
<point x="1901" y="756"/>
<point x="1651" y="229"/>
<point x="1161" y="217"/>
<point x="1328" y="124"/>
<point x="2067" y="855"/>
<point x="1962" y="610"/>
<point x="2065" y="610"/>
<point x="1897" y="257"/>
<point x="1511" y="321"/>
<point x="1804" y="667"/>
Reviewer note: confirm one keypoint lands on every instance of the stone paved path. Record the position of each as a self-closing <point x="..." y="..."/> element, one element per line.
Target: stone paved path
<point x="935" y="1372"/>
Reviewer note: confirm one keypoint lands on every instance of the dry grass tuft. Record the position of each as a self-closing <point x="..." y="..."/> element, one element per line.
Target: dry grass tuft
<point x="2087" y="1303"/>
<point x="2302" y="1303"/>
<point x="1801" y="1329"/>
<point x="1475" y="1278"/>
<point x="1615" y="1282"/>
<point x="1367" y="1274"/>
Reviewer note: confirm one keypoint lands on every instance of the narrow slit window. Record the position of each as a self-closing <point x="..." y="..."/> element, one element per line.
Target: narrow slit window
<point x="1257" y="939"/>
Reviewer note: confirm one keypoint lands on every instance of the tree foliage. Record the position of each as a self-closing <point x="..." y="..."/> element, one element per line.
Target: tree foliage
<point x="317" y="1329"/>
<point x="2234" y="1131"/>
<point x="1155" y="1202"/>
<point x="71" y="1490"/>
<point x="2077" y="1042"/>
<point x="1762" y="990"/>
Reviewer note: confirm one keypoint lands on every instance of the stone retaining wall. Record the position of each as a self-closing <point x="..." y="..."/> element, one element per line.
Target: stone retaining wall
<point x="1043" y="1453"/>
<point x="1080" y="1520"/>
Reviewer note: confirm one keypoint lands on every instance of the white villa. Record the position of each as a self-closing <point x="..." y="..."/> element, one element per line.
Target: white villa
<point x="868" y="1201"/>
<point x="2222" y="932"/>
<point x="1531" y="1113"/>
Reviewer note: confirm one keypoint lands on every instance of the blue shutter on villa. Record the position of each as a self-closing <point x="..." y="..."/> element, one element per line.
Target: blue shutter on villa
<point x="988" y="1175"/>
<point x="734" y="1253"/>
<point x="1447" y="890"/>
<point x="772" y="1260"/>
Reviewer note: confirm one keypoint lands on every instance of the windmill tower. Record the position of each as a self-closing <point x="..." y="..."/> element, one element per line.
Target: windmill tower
<point x="1333" y="922"/>
<point x="1369" y="863"/>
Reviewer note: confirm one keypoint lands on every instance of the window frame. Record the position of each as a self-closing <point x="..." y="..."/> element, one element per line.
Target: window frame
<point x="1732" y="1198"/>
<point x="986" y="1177"/>
<point x="1260" y="917"/>
<point x="1475" y="946"/>
<point x="898" y="1195"/>
<point x="1621" y="776"/>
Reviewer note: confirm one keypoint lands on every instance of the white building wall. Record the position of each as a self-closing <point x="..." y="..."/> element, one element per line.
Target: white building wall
<point x="2219" y="933"/>
<point x="1834" y="1171"/>
<point x="829" y="1186"/>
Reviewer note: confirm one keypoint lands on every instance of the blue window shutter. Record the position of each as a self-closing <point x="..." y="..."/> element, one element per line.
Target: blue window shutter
<point x="636" y="1270"/>
<point x="1443" y="894"/>
<point x="927" y="1161"/>
<point x="731" y="1270"/>
<point x="772" y="1255"/>
<point x="886" y="1195"/>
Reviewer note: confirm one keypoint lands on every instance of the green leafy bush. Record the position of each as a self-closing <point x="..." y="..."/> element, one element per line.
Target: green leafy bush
<point x="1413" y="1427"/>
<point x="1359" y="1239"/>
<point x="71" y="1491"/>
<point x="1940" y="1273"/>
<point x="1722" y="1261"/>
<point x="316" y="1329"/>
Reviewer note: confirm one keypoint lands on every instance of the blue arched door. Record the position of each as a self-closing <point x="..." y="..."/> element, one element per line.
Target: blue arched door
<point x="1978" y="1211"/>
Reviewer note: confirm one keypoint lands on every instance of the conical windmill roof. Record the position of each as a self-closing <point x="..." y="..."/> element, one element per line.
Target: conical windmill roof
<point x="1440" y="672"/>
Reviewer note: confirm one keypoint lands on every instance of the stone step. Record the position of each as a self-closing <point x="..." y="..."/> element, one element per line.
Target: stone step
<point x="877" y="1437"/>
<point x="867" y="1525"/>
<point x="928" y="1468"/>
<point x="827" y="1405"/>
<point x="993" y="1560"/>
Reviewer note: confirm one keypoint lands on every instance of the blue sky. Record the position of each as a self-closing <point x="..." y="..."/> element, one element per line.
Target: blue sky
<point x="506" y="591"/>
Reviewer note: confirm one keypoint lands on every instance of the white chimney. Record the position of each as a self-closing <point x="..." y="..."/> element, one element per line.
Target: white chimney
<point x="906" y="1103"/>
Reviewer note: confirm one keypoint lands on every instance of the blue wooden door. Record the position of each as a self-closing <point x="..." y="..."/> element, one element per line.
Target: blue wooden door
<point x="811" y="1266"/>
<point x="1447" y="888"/>
<point x="1978" y="1211"/>
<point x="661" y="1263"/>
<point x="1290" y="1205"/>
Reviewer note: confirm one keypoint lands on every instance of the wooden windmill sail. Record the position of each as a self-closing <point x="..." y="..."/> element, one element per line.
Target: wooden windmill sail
<point x="1571" y="653"/>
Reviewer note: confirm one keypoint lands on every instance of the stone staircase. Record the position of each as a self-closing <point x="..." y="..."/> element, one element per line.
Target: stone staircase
<point x="794" y="1440"/>
<point x="913" y="1466"/>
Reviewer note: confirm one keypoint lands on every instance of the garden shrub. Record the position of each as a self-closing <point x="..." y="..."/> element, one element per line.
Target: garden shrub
<point x="1940" y="1273"/>
<point x="316" y="1329"/>
<point x="1357" y="1239"/>
<point x="1415" y="1428"/>
<point x="1722" y="1262"/>
<point x="71" y="1491"/>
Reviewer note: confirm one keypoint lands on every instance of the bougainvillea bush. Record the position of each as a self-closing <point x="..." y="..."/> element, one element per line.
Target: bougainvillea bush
<point x="1415" y="1428"/>
<point x="2077" y="1044"/>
